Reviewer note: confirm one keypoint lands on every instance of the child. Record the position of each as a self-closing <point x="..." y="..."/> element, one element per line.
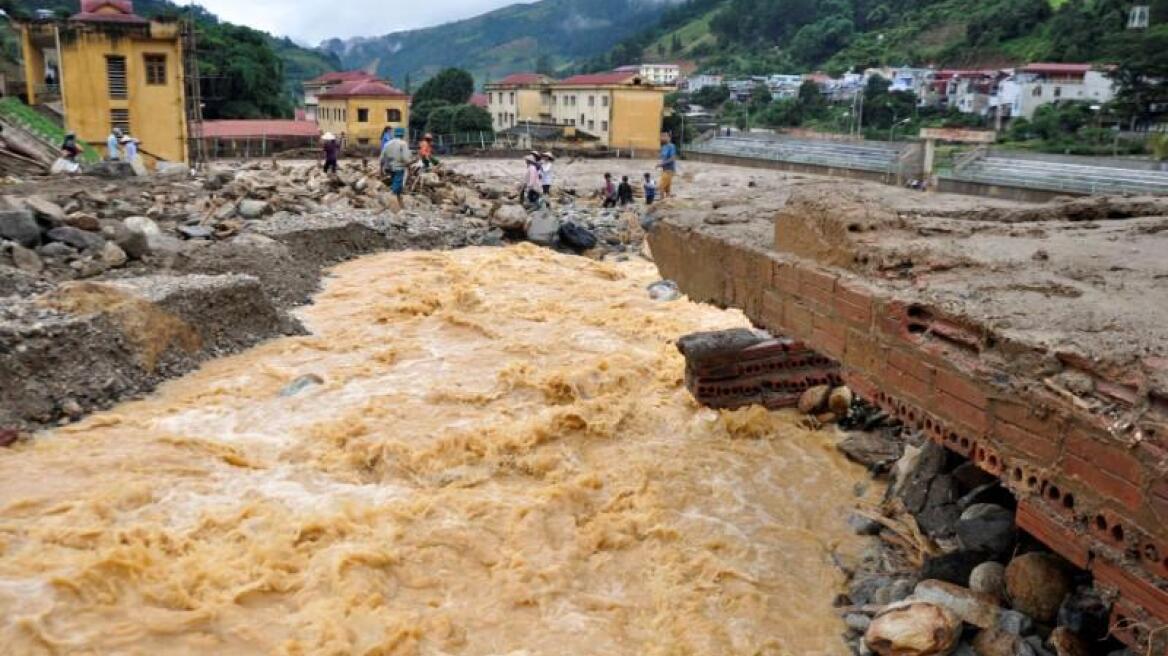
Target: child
<point x="624" y="193"/>
<point x="609" y="191"/>
<point x="650" y="189"/>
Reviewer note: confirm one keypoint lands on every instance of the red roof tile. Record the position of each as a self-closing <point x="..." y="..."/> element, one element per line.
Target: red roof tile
<point x="613" y="77"/>
<point x="108" y="11"/>
<point x="240" y="129"/>
<point x="479" y="100"/>
<point x="342" y="76"/>
<point x="364" y="89"/>
<point x="519" y="79"/>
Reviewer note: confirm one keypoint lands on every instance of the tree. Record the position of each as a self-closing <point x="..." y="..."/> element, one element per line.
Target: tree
<point x="452" y="119"/>
<point x="242" y="75"/>
<point x="711" y="97"/>
<point x="675" y="45"/>
<point x="661" y="50"/>
<point x="453" y="85"/>
<point x="420" y="113"/>
<point x="544" y="66"/>
<point x="760" y="97"/>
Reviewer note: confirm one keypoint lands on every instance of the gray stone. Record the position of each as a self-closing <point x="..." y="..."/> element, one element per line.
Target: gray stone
<point x="56" y="250"/>
<point x="857" y="623"/>
<point x="544" y="229"/>
<point x="510" y="217"/>
<point x="79" y="239"/>
<point x="26" y="259"/>
<point x="143" y="225"/>
<point x="163" y="246"/>
<point x="84" y="222"/>
<point x="300" y="384"/>
<point x="136" y="245"/>
<point x="196" y="232"/>
<point x="986" y="527"/>
<point x="977" y="609"/>
<point x="876" y="450"/>
<point x="46" y="211"/>
<point x="1011" y="621"/>
<point x="21" y="227"/>
<point x="112" y="255"/>
<point x="253" y="209"/>
<point x="989" y="578"/>
<point x="665" y="291"/>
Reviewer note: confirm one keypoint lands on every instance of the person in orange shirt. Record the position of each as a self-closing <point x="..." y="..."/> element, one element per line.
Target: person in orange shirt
<point x="426" y="151"/>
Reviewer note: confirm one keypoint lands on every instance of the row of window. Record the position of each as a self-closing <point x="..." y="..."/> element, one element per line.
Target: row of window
<point x="568" y="101"/>
<point x="342" y="114"/>
<point x="591" y="125"/>
<point x="154" y="66"/>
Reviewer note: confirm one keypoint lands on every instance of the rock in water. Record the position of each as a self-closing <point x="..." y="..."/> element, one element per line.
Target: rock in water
<point x="544" y="229"/>
<point x="300" y="384"/>
<point x="989" y="578"/>
<point x="665" y="290"/>
<point x="814" y="400"/>
<point x="21" y="227"/>
<point x="840" y="401"/>
<point x="1037" y="584"/>
<point x="986" y="527"/>
<point x="576" y="237"/>
<point x="913" y="628"/>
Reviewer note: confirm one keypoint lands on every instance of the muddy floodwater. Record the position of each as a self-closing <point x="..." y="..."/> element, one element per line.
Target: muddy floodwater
<point x="501" y="460"/>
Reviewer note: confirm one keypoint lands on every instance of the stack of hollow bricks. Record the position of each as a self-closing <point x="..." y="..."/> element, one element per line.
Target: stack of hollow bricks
<point x="1097" y="498"/>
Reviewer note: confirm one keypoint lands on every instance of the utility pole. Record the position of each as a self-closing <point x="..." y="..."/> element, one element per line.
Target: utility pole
<point x="197" y="146"/>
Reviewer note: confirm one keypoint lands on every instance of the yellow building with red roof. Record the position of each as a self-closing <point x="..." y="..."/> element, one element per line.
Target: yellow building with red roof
<point x="358" y="111"/>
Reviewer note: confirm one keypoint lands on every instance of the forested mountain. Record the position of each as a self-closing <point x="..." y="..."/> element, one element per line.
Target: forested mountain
<point x="546" y="35"/>
<point x="756" y="36"/>
<point x="247" y="73"/>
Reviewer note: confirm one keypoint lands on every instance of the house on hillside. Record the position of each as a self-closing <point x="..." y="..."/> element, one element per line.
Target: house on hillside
<point x="315" y="87"/>
<point x="661" y="75"/>
<point x="519" y="98"/>
<point x="358" y="111"/>
<point x="105" y="67"/>
<point x="967" y="91"/>
<point x="695" y="83"/>
<point x="1030" y="87"/>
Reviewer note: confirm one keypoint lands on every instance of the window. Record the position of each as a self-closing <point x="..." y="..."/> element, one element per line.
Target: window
<point x="604" y="101"/>
<point x="592" y="125"/>
<point x="115" y="73"/>
<point x="393" y="115"/>
<point x="1037" y="93"/>
<point x="512" y="97"/>
<point x="1058" y="92"/>
<point x="363" y="142"/>
<point x="120" y="119"/>
<point x="591" y="101"/>
<point x="155" y="69"/>
<point x="604" y="126"/>
<point x="362" y="114"/>
<point x="581" y="120"/>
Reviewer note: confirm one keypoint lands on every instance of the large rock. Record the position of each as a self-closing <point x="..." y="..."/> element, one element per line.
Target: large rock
<point x="986" y="527"/>
<point x="510" y="217"/>
<point x="21" y="227"/>
<point x="814" y="400"/>
<point x="544" y="229"/>
<point x="876" y="450"/>
<point x="253" y="209"/>
<point x="112" y="255"/>
<point x="840" y="401"/>
<point x="994" y="642"/>
<point x="913" y="628"/>
<point x="142" y="224"/>
<point x="989" y="578"/>
<point x="26" y="259"/>
<point x="46" y="211"/>
<point x="977" y="609"/>
<point x="1037" y="584"/>
<point x="79" y="239"/>
<point x="954" y="567"/>
<point x="1086" y="614"/>
<point x="1066" y="643"/>
<point x="84" y="222"/>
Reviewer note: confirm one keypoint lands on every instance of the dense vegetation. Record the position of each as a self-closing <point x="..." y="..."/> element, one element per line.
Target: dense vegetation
<point x="548" y="36"/>
<point x="442" y="105"/>
<point x="246" y="73"/>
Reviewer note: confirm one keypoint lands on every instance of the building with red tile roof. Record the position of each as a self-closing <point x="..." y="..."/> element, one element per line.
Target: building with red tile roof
<point x="321" y="84"/>
<point x="108" y="11"/>
<point x="358" y="111"/>
<point x="363" y="89"/>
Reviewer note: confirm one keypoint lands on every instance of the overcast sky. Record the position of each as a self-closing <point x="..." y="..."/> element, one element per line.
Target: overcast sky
<point x="312" y="21"/>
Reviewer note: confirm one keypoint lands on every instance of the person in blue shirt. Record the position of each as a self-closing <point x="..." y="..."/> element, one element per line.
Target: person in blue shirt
<point x="111" y="145"/>
<point x="650" y="189"/>
<point x="668" y="165"/>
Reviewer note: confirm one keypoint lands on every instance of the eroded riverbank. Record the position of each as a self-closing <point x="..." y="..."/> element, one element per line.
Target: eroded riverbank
<point x="501" y="459"/>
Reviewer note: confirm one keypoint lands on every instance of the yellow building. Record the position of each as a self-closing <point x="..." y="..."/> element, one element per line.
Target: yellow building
<point x="110" y="68"/>
<point x="618" y="108"/>
<point x="358" y="111"/>
<point x="519" y="98"/>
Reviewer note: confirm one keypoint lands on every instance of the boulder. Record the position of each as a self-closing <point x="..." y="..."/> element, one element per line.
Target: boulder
<point x="1037" y="584"/>
<point x="990" y="579"/>
<point x="977" y="609"/>
<point x="79" y="239"/>
<point x="84" y="222"/>
<point x="913" y="628"/>
<point x="994" y="642"/>
<point x="1086" y="614"/>
<point x="112" y="255"/>
<point x="142" y="224"/>
<point x="21" y="227"/>
<point x="876" y="450"/>
<point x="253" y="209"/>
<point x="955" y="567"/>
<point x="56" y="249"/>
<point x="987" y="527"/>
<point x="510" y="217"/>
<point x="544" y="229"/>
<point x="814" y="400"/>
<point x="840" y="401"/>
<point x="195" y="232"/>
<point x="46" y="211"/>
<point x="26" y="259"/>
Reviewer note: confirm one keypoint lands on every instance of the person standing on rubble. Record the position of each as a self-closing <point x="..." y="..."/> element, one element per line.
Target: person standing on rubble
<point x="386" y="136"/>
<point x="533" y="181"/>
<point x="668" y="165"/>
<point x="332" y="152"/>
<point x="111" y="145"/>
<point x="426" y="151"/>
<point x="131" y="146"/>
<point x="545" y="173"/>
<point x="395" y="159"/>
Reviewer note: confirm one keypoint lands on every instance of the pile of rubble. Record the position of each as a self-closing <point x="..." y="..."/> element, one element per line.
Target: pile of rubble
<point x="951" y="574"/>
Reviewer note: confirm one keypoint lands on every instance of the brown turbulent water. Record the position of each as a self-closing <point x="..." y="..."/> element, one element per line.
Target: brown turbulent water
<point x="502" y="460"/>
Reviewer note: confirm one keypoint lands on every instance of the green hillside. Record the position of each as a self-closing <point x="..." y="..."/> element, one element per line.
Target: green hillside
<point x="550" y="35"/>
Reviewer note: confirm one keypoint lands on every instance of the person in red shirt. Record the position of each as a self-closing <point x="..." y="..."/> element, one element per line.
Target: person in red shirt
<point x="426" y="151"/>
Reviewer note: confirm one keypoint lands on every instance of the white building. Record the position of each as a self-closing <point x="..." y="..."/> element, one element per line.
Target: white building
<point x="660" y="75"/>
<point x="1031" y="87"/>
<point x="699" y="82"/>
